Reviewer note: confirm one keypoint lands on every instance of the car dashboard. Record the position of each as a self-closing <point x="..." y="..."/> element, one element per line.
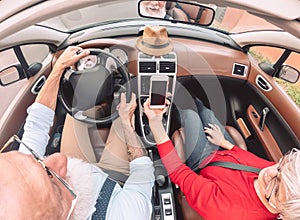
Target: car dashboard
<point x="188" y="58"/>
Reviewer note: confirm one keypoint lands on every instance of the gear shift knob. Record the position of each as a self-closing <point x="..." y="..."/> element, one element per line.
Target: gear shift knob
<point x="160" y="180"/>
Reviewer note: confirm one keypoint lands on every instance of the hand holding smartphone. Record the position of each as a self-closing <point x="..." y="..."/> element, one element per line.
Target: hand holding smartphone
<point x="158" y="91"/>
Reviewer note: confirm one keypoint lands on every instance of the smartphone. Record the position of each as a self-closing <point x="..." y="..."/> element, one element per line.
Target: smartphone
<point x="158" y="90"/>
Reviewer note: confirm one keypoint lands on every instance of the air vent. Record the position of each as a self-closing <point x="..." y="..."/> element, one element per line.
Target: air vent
<point x="239" y="69"/>
<point x="36" y="88"/>
<point x="263" y="83"/>
<point x="147" y="67"/>
<point x="167" y="67"/>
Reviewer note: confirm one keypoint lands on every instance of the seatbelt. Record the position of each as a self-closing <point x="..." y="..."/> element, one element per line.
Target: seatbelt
<point x="16" y="145"/>
<point x="103" y="199"/>
<point x="234" y="166"/>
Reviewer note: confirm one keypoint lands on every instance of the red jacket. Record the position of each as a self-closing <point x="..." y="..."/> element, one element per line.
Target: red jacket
<point x="219" y="193"/>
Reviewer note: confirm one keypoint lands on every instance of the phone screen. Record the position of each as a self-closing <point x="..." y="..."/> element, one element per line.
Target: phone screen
<point x="158" y="92"/>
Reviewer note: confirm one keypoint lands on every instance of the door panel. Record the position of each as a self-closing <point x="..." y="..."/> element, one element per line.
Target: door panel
<point x="281" y="101"/>
<point x="239" y="95"/>
<point x="265" y="136"/>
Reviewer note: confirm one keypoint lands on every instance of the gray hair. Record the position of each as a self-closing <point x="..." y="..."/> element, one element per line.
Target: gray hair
<point x="290" y="209"/>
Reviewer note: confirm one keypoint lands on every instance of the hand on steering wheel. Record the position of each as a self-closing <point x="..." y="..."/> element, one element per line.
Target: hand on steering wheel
<point x="81" y="90"/>
<point x="70" y="56"/>
<point x="48" y="94"/>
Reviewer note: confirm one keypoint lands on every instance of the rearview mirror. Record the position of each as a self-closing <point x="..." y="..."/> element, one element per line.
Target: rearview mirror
<point x="177" y="11"/>
<point x="288" y="73"/>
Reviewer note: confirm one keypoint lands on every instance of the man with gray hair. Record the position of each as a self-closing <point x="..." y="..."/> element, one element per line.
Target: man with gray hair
<point x="57" y="187"/>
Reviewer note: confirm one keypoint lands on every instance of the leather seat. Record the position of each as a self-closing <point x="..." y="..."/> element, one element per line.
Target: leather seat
<point x="194" y="12"/>
<point x="175" y="12"/>
<point x="178" y="14"/>
<point x="236" y="136"/>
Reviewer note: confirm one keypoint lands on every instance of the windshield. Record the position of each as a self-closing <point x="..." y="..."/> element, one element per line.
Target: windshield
<point x="92" y="15"/>
<point x="227" y="20"/>
<point x="233" y="20"/>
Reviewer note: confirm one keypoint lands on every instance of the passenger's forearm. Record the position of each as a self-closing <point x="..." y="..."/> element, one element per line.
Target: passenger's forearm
<point x="227" y="145"/>
<point x="134" y="147"/>
<point x="159" y="133"/>
<point x="169" y="156"/>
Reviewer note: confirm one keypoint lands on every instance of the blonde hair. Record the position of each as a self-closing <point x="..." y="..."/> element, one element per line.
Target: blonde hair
<point x="290" y="209"/>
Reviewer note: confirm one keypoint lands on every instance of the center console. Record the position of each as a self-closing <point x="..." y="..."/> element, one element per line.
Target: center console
<point x="149" y="66"/>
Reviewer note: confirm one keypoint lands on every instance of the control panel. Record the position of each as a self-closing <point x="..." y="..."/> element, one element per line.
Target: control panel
<point x="163" y="197"/>
<point x="149" y="66"/>
<point x="167" y="206"/>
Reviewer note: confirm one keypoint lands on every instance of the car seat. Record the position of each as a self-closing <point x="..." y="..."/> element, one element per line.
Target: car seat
<point x="198" y="15"/>
<point x="175" y="12"/>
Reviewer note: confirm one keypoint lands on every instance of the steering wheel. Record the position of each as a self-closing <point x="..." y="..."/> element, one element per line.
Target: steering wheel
<point x="82" y="91"/>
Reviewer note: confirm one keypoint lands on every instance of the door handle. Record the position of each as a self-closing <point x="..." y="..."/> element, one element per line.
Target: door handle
<point x="263" y="117"/>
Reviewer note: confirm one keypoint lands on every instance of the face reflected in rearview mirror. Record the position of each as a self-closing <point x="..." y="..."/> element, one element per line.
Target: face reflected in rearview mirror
<point x="177" y="11"/>
<point x="288" y="73"/>
<point x="155" y="9"/>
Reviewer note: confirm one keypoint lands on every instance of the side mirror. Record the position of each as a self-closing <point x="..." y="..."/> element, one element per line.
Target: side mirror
<point x="11" y="75"/>
<point x="288" y="73"/>
<point x="177" y="11"/>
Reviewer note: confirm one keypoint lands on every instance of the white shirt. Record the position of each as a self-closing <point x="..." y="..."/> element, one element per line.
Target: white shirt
<point x="132" y="202"/>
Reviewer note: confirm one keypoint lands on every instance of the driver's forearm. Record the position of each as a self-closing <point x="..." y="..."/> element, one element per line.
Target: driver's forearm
<point x="48" y="94"/>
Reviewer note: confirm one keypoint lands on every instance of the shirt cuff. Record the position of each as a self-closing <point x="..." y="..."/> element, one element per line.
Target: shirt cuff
<point x="140" y="160"/>
<point x="42" y="112"/>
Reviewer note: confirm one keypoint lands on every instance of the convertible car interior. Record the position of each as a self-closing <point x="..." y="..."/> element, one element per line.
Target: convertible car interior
<point x="203" y="64"/>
